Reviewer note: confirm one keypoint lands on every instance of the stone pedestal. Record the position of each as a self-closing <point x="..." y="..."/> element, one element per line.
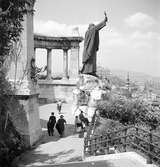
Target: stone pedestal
<point x="25" y="89"/>
<point x="89" y="91"/>
<point x="27" y="121"/>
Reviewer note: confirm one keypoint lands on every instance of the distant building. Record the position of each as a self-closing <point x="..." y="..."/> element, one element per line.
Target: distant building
<point x="126" y="90"/>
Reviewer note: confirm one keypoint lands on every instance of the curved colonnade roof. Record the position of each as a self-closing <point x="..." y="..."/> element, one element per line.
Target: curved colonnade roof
<point x="41" y="41"/>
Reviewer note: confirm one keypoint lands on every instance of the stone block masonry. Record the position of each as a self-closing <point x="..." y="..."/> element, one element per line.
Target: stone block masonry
<point x="19" y="73"/>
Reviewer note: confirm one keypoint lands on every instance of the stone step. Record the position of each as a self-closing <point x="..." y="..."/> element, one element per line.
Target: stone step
<point x="83" y="164"/>
<point x="127" y="159"/>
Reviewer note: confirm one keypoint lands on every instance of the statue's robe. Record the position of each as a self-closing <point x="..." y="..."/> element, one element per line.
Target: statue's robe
<point x="91" y="46"/>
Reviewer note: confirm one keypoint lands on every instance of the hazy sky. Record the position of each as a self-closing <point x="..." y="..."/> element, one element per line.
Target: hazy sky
<point x="130" y="41"/>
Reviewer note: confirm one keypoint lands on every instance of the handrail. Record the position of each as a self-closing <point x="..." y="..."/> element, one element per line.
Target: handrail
<point x="147" y="131"/>
<point x="108" y="133"/>
<point x="141" y="148"/>
<point x="93" y="143"/>
<point x="147" y="142"/>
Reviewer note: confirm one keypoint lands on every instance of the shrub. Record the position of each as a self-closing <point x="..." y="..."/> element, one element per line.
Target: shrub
<point x="107" y="125"/>
<point x="129" y="112"/>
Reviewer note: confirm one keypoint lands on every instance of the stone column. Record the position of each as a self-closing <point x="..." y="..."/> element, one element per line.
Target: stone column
<point x="65" y="63"/>
<point x="19" y="73"/>
<point x="74" y="62"/>
<point x="49" y="63"/>
<point x="35" y="52"/>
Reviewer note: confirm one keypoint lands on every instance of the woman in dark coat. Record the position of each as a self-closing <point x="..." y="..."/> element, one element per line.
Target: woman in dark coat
<point x="51" y="123"/>
<point x="60" y="126"/>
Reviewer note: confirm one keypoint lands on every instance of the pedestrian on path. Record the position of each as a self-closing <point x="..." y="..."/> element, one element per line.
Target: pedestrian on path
<point x="83" y="118"/>
<point x="50" y="124"/>
<point x="60" y="126"/>
<point x="59" y="106"/>
<point x="78" y="124"/>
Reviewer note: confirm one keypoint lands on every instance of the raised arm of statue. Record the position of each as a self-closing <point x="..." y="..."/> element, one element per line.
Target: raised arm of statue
<point x="102" y="24"/>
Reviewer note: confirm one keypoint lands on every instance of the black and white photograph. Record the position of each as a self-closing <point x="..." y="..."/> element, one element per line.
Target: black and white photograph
<point x="79" y="83"/>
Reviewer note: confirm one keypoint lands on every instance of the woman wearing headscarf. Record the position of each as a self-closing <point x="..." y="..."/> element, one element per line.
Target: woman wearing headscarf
<point x="60" y="126"/>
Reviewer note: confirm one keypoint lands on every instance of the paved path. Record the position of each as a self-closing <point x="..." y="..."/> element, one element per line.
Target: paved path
<point x="53" y="149"/>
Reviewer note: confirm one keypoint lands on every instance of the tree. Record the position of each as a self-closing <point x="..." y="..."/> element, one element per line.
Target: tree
<point x="11" y="17"/>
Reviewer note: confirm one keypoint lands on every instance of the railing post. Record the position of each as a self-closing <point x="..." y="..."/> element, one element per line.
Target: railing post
<point x="95" y="146"/>
<point x="149" y="160"/>
<point x="137" y="141"/>
<point x="105" y="143"/>
<point x="101" y="141"/>
<point x="108" y="143"/>
<point x="90" y="146"/>
<point x="85" y="147"/>
<point x="125" y="139"/>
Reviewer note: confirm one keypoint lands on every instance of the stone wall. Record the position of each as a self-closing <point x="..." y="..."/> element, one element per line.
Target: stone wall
<point x="26" y="119"/>
<point x="19" y="70"/>
<point x="50" y="91"/>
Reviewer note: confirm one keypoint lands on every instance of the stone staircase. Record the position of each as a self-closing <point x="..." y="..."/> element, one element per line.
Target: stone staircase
<point x="128" y="159"/>
<point x="111" y="145"/>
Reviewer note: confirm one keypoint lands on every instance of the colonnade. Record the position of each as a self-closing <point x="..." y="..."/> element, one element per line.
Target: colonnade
<point x="65" y="44"/>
